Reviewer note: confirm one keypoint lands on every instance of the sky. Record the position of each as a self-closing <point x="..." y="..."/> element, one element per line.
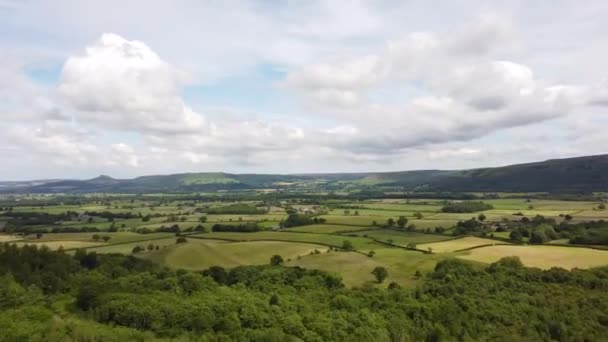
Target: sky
<point x="130" y="88"/>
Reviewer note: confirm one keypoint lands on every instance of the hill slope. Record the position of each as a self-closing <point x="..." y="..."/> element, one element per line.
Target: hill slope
<point x="558" y="175"/>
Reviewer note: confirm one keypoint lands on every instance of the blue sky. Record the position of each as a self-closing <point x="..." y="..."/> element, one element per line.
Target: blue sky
<point x="143" y="87"/>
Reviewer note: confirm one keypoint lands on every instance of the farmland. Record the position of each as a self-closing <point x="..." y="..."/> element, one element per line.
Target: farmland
<point x="146" y="226"/>
<point x="542" y="256"/>
<point x="229" y="243"/>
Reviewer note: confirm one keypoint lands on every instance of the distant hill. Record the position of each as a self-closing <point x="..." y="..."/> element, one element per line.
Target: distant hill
<point x="581" y="174"/>
<point x="556" y="175"/>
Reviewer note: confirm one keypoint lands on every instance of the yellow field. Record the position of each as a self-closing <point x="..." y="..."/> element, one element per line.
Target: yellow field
<point x="456" y="245"/>
<point x="9" y="238"/>
<point x="542" y="256"/>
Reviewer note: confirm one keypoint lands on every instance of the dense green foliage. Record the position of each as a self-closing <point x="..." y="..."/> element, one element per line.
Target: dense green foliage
<point x="51" y="296"/>
<point x="295" y="220"/>
<point x="241" y="227"/>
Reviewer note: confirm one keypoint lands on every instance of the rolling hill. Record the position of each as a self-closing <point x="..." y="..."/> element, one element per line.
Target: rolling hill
<point x="581" y="174"/>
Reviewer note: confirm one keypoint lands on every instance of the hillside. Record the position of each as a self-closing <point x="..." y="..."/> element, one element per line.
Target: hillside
<point x="585" y="174"/>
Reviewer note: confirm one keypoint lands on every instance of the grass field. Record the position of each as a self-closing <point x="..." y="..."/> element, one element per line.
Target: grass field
<point x="353" y="220"/>
<point x="54" y="245"/>
<point x="355" y="269"/>
<point x="401" y="238"/>
<point x="326" y="228"/>
<point x="542" y="256"/>
<point x="457" y="244"/>
<point x="127" y="248"/>
<point x="202" y="254"/>
<point x="9" y="238"/>
<point x="359" y="243"/>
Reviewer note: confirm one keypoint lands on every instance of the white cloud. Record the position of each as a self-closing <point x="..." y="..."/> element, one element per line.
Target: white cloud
<point x="125" y="85"/>
<point x="378" y="85"/>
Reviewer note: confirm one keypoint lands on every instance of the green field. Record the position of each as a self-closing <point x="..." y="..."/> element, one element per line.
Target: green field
<point x="199" y="254"/>
<point x="457" y="244"/>
<point x="359" y="243"/>
<point x="364" y="231"/>
<point x="326" y="228"/>
<point x="65" y="244"/>
<point x="127" y="248"/>
<point x="401" y="237"/>
<point x="355" y="269"/>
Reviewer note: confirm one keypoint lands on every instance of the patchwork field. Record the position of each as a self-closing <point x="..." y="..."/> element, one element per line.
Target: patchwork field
<point x="364" y="230"/>
<point x="542" y="256"/>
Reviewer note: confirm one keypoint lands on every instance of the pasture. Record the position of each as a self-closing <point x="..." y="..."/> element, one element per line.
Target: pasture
<point x="359" y="243"/>
<point x="457" y="244"/>
<point x="199" y="254"/>
<point x="401" y="237"/>
<point x="326" y="228"/>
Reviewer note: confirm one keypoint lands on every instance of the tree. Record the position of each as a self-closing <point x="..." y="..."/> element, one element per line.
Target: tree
<point x="137" y="249"/>
<point x="218" y="274"/>
<point x="418" y="274"/>
<point x="567" y="217"/>
<point x="516" y="236"/>
<point x="371" y="254"/>
<point x="347" y="245"/>
<point x="203" y="219"/>
<point x="38" y="235"/>
<point x="402" y="221"/>
<point x="602" y="206"/>
<point x="181" y="239"/>
<point x="356" y="212"/>
<point x="411" y="245"/>
<point x="380" y="273"/>
<point x="394" y="286"/>
<point x="390" y="222"/>
<point x="276" y="260"/>
<point x="96" y="237"/>
<point x="274" y="299"/>
<point x="418" y="215"/>
<point x="538" y="237"/>
<point x="481" y="217"/>
<point x="106" y="238"/>
<point x="151" y="247"/>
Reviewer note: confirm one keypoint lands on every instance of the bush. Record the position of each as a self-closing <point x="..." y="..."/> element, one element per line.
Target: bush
<point x="276" y="260"/>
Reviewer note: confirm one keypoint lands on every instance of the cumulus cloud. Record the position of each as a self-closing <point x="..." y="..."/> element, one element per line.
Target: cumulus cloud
<point x="465" y="91"/>
<point x="378" y="86"/>
<point x="125" y="85"/>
